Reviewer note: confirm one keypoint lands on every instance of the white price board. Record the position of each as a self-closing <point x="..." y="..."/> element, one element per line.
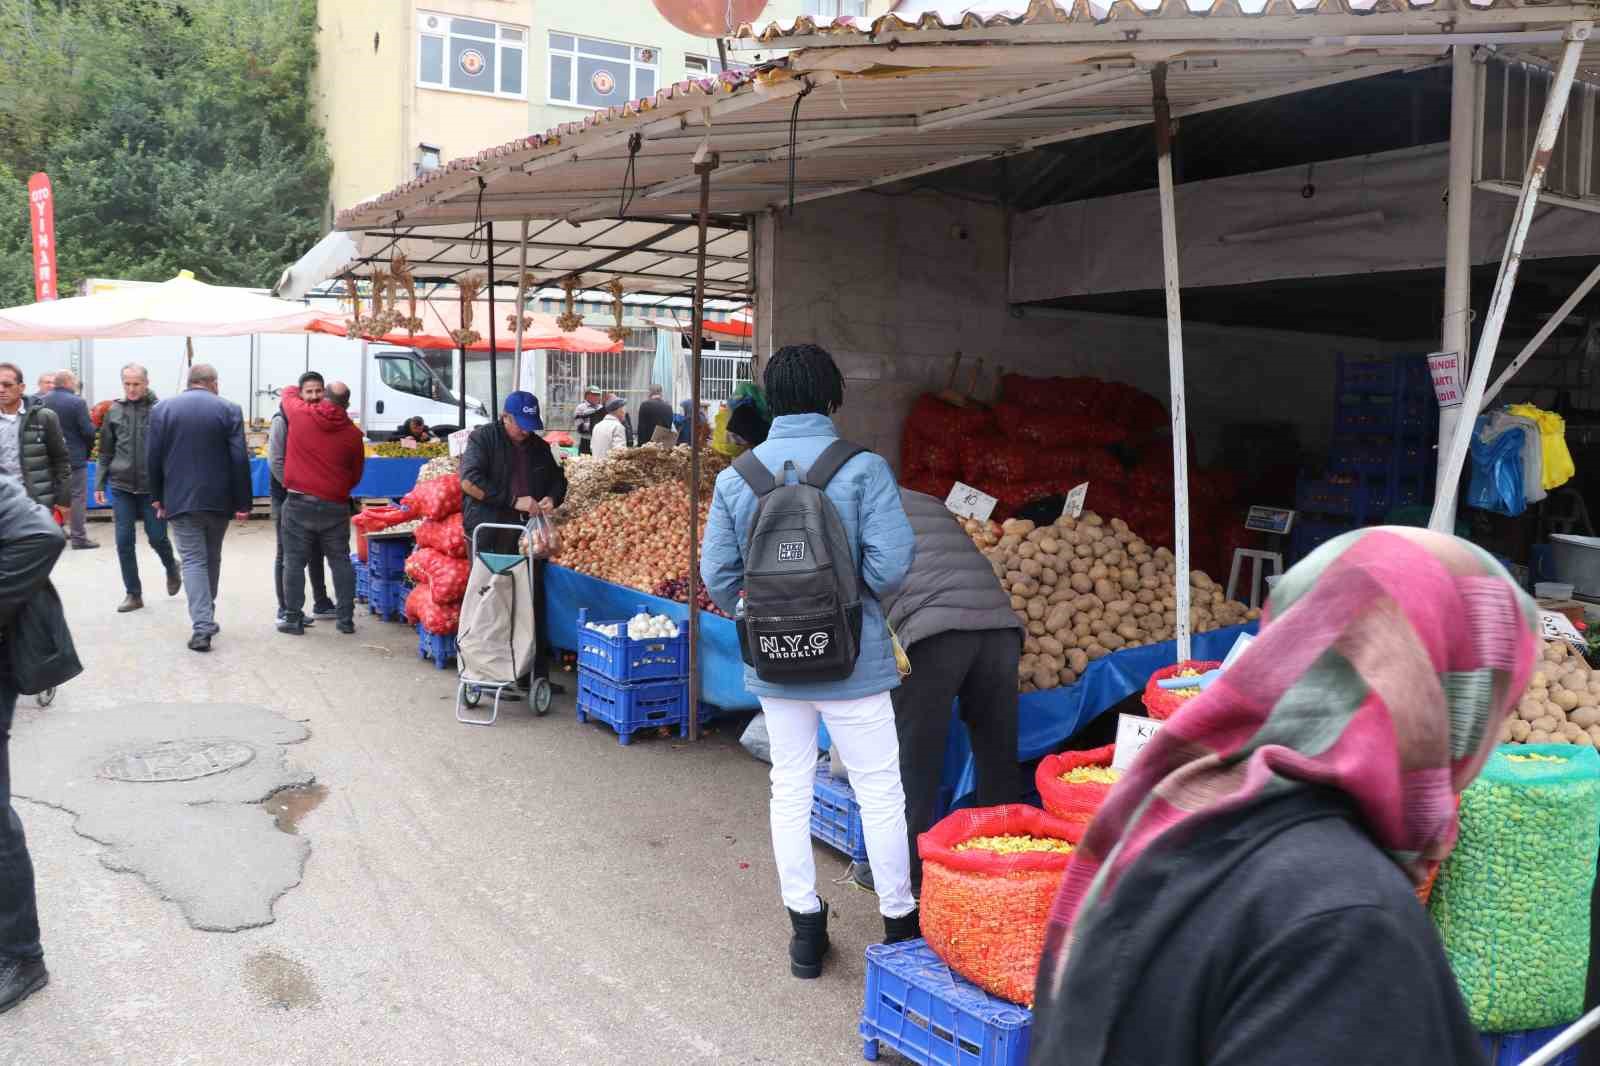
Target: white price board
<point x="1558" y="626"/>
<point x="1075" y="498"/>
<point x="1445" y="368"/>
<point x="458" y="442"/>
<point x="969" y="502"/>
<point x="1133" y="733"/>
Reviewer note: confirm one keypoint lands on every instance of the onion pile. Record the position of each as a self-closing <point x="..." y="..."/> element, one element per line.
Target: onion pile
<point x="639" y="539"/>
<point x="592" y="482"/>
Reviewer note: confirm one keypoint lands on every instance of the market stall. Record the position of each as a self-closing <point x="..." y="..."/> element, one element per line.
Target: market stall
<point x="380" y="478"/>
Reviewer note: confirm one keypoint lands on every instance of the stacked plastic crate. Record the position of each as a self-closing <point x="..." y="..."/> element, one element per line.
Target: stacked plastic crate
<point x="386" y="578"/>
<point x="1385" y="427"/>
<point x="631" y="684"/>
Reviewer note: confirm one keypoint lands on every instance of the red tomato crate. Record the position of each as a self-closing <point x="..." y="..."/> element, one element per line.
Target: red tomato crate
<point x="630" y="708"/>
<point x="835" y="815"/>
<point x="920" y="1009"/>
<point x="628" y="661"/>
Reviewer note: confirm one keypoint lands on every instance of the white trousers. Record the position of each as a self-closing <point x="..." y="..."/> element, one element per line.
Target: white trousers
<point x="863" y="731"/>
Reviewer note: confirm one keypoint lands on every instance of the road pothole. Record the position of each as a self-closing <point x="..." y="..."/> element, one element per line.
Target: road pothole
<point x="287" y="806"/>
<point x="280" y="981"/>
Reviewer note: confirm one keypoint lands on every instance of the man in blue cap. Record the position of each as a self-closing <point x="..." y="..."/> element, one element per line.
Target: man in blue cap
<point x="508" y="473"/>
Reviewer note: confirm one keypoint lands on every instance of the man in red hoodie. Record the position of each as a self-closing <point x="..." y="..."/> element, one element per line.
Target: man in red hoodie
<point x="322" y="465"/>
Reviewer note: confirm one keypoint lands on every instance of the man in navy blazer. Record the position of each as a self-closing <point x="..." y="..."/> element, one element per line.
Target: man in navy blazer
<point x="77" y="428"/>
<point x="199" y="475"/>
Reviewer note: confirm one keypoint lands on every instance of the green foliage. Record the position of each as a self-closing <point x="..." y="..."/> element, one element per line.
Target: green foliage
<point x="178" y="134"/>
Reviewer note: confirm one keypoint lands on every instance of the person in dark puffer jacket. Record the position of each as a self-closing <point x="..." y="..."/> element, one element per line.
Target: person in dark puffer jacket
<point x="32" y="449"/>
<point x="964" y="640"/>
<point x="124" y="468"/>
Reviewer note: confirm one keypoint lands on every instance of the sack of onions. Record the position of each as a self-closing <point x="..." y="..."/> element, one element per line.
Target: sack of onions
<point x="989" y="876"/>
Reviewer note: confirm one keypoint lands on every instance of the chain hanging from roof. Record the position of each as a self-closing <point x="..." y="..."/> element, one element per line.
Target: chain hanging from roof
<point x="467" y="291"/>
<point x="569" y="320"/>
<point x="525" y="284"/>
<point x="617" y="332"/>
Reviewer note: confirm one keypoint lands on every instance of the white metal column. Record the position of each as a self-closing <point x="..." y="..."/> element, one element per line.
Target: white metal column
<point x="1180" y="436"/>
<point x="1444" y="501"/>
<point x="522" y="312"/>
<point x="1456" y="331"/>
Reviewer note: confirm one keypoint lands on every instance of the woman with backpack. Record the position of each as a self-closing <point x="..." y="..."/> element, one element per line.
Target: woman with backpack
<point x="811" y="531"/>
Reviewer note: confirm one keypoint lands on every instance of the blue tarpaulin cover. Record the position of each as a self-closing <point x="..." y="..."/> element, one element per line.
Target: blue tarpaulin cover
<point x="380" y="477"/>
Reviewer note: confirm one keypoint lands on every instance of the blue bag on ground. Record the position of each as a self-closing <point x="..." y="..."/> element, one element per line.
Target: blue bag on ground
<point x="1496" y="483"/>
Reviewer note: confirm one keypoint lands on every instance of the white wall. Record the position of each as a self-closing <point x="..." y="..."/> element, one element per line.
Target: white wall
<point x="890" y="286"/>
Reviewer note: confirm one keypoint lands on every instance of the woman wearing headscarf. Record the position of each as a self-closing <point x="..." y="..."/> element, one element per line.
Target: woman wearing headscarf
<point x="1246" y="895"/>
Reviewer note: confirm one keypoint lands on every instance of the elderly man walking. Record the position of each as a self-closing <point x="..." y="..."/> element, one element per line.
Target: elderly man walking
<point x="123" y="473"/>
<point x="199" y="475"/>
<point x="77" y="429"/>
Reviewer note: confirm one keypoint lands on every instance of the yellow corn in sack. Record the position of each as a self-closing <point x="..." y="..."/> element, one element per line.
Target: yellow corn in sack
<point x="1558" y="465"/>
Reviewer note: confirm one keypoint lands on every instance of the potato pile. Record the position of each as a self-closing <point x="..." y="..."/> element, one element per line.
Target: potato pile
<point x="1084" y="588"/>
<point x="1562" y="704"/>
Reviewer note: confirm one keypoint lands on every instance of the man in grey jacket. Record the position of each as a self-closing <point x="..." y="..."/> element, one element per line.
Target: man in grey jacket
<point x="964" y="640"/>
<point x="311" y="391"/>
<point x="124" y="467"/>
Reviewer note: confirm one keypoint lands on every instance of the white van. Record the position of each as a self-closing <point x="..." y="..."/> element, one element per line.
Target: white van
<point x="400" y="384"/>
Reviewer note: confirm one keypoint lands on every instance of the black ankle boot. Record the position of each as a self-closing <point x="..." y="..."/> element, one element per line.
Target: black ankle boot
<point x="810" y="943"/>
<point x="905" y="927"/>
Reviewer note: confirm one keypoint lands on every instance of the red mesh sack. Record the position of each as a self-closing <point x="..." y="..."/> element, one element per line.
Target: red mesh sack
<point x="445" y="535"/>
<point x="932" y="417"/>
<point x="374" y="519"/>
<point x="1072" y="801"/>
<point x="984" y="912"/>
<point x="912" y="454"/>
<point x="1001" y="462"/>
<point x="439" y="619"/>
<point x="445" y="575"/>
<point x="97" y="413"/>
<point x="439" y="497"/>
<point x="1164" y="703"/>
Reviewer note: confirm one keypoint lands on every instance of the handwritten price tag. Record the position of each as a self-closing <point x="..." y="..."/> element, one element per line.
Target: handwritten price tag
<point x="969" y="502"/>
<point x="1445" y="369"/>
<point x="1558" y="626"/>
<point x="1133" y="733"/>
<point x="1075" y="498"/>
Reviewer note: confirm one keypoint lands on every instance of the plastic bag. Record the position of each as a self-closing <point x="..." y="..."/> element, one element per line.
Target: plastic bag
<point x="1496" y="483"/>
<point x="754" y="739"/>
<point x="985" y="913"/>
<point x="1073" y="801"/>
<point x="541" y="539"/>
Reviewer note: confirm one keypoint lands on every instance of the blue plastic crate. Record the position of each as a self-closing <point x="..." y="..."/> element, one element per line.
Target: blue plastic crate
<point x="835" y="815"/>
<point x="387" y="558"/>
<point x="361" y="577"/>
<point x="438" y="648"/>
<point x="1321" y="496"/>
<point x="1403" y="373"/>
<point x="630" y="708"/>
<point x="1510" y="1049"/>
<point x="917" y="1007"/>
<point x="386" y="598"/>
<point x="628" y="661"/>
<point x="1309" y="535"/>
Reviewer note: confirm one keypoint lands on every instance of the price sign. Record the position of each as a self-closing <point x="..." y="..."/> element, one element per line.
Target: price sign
<point x="1269" y="519"/>
<point x="1558" y="626"/>
<point x="1075" y="498"/>
<point x="1445" y="368"/>
<point x="458" y="442"/>
<point x="1133" y="733"/>
<point x="969" y="502"/>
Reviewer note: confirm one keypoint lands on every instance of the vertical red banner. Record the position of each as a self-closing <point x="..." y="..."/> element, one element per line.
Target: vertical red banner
<point x="42" y="220"/>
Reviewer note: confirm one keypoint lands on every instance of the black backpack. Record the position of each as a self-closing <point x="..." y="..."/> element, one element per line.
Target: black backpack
<point x="802" y="593"/>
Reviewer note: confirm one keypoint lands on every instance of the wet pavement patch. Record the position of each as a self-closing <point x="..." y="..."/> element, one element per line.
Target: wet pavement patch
<point x="292" y="804"/>
<point x="175" y="794"/>
<point x="280" y="981"/>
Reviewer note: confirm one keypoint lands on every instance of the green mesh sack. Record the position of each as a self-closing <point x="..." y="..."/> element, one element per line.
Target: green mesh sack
<point x="1512" y="900"/>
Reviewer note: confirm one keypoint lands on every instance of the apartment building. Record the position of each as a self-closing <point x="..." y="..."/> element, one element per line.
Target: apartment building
<point x="404" y="85"/>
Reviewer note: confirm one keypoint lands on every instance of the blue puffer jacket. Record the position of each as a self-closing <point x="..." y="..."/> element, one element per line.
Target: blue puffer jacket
<point x="868" y="501"/>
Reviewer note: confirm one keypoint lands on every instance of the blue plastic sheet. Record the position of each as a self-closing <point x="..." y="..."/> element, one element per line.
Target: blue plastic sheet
<point x="380" y="477"/>
<point x="1496" y="483"/>
<point x="721" y="668"/>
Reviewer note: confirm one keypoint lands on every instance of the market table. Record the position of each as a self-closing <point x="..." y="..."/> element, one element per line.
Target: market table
<point x="380" y="477"/>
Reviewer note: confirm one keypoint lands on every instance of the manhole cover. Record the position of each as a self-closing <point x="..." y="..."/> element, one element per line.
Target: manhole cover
<point x="177" y="760"/>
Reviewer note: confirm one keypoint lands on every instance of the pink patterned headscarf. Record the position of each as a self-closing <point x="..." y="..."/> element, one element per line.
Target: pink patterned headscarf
<point x="1385" y="666"/>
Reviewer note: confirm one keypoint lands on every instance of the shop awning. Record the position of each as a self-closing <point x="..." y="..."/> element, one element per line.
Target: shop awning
<point x="182" y="307"/>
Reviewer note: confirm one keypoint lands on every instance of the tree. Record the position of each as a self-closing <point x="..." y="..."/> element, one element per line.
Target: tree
<point x="177" y="135"/>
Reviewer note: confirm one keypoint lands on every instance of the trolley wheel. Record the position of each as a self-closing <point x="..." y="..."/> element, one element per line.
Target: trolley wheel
<point x="471" y="695"/>
<point x="47" y="697"/>
<point x="540" y="697"/>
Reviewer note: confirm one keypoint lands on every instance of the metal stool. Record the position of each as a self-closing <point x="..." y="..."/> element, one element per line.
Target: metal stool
<point x="1257" y="557"/>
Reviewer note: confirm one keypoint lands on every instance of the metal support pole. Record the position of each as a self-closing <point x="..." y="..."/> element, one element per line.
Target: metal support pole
<point x="1456" y="327"/>
<point x="1533" y="346"/>
<point x="522" y="308"/>
<point x="462" y="396"/>
<point x="494" y="348"/>
<point x="1555" y="107"/>
<point x="704" y="170"/>
<point x="1180" y="433"/>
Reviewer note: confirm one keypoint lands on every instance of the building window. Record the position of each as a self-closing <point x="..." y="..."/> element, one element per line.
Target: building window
<point x="832" y="9"/>
<point x="428" y="158"/>
<point x="585" y="72"/>
<point x="706" y="66"/>
<point x="471" y="55"/>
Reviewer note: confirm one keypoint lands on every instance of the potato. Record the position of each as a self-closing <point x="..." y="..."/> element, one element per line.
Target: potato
<point x="1112" y="641"/>
<point x="1252" y="614"/>
<point x="1063" y="594"/>
<point x="1565" y="699"/>
<point x="1539" y="736"/>
<point x="1115" y="557"/>
<point x="1128" y="631"/>
<point x="1575" y="733"/>
<point x="1200" y="580"/>
<point x="1594" y="734"/>
<point x="1031" y="568"/>
<point x="1058" y="618"/>
<point x="1119" y="526"/>
<point x="1036" y="628"/>
<point x="1544" y="724"/>
<point x="1080" y="628"/>
<point x="1098" y="572"/>
<point x="1558" y="737"/>
<point x="1145" y="596"/>
<point x="1519" y="729"/>
<point x="1009" y="542"/>
<point x="1049" y="544"/>
<point x="1050" y="645"/>
<point x="1092" y="519"/>
<point x="1077" y="660"/>
<point x="1139" y="610"/>
<point x="1105" y="590"/>
<point x="1036" y="535"/>
<point x="1083" y="551"/>
<point x="1068" y="677"/>
<point x="1586" y="716"/>
<point x="1575" y="680"/>
<point x="1147" y="569"/>
<point x="1044" y="679"/>
<point x="1030" y="646"/>
<point x="1048" y="577"/>
<point x="1082" y="583"/>
<point x="1129" y="577"/>
<point x="1079" y="566"/>
<point x="1027" y="550"/>
<point x="1019" y="526"/>
<point x="1540" y="680"/>
<point x="1096" y="651"/>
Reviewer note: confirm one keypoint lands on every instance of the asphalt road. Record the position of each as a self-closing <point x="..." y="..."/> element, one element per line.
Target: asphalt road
<point x="526" y="893"/>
